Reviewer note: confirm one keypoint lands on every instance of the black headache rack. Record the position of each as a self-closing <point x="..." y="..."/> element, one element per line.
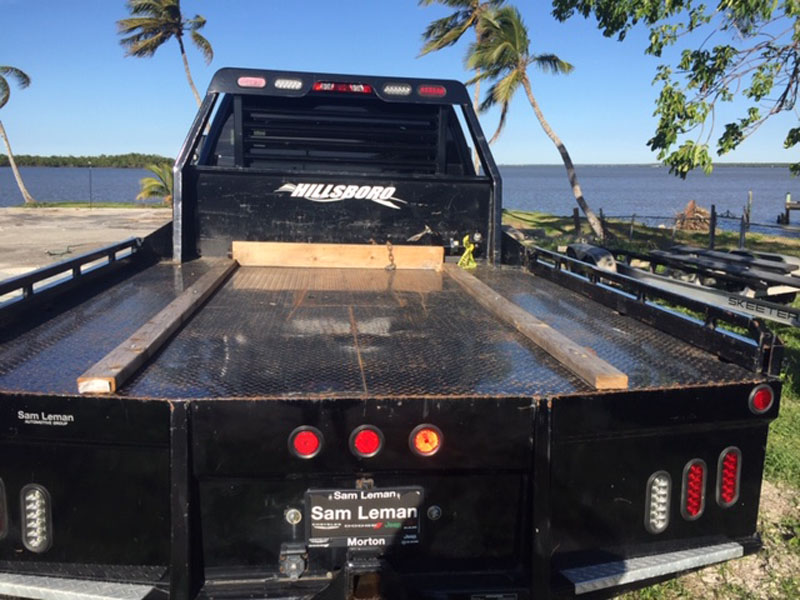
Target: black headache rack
<point x="733" y="336"/>
<point x="333" y="158"/>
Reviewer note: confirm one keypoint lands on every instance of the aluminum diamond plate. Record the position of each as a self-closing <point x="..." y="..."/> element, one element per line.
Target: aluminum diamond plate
<point x="54" y="588"/>
<point x="605" y="575"/>
<point x="650" y="358"/>
<point x="48" y="358"/>
<point x="280" y="332"/>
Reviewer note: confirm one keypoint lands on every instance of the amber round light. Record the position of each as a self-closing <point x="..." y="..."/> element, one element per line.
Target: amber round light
<point x="761" y="399"/>
<point x="305" y="442"/>
<point x="366" y="441"/>
<point x="425" y="440"/>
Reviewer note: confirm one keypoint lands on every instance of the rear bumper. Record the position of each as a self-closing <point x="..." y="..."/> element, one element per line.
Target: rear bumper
<point x="586" y="580"/>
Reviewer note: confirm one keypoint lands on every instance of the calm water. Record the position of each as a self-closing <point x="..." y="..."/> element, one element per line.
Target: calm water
<point x="66" y="184"/>
<point x="618" y="190"/>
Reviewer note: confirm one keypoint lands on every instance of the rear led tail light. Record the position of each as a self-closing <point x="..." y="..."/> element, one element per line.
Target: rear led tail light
<point x="37" y="525"/>
<point x="432" y="91"/>
<point x="657" y="502"/>
<point x="347" y="88"/>
<point x="425" y="440"/>
<point x="3" y="511"/>
<point x="288" y="84"/>
<point x="251" y="82"/>
<point x="729" y="470"/>
<point x="305" y="442"/>
<point x="761" y="399"/>
<point x="693" y="493"/>
<point x="366" y="441"/>
<point x="397" y="89"/>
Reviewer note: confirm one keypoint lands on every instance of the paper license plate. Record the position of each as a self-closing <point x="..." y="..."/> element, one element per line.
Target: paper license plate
<point x="376" y="518"/>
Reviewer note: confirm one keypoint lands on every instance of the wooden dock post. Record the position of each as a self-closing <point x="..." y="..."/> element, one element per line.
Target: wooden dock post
<point x="630" y="232"/>
<point x="742" y="232"/>
<point x="712" y="227"/>
<point x="576" y="220"/>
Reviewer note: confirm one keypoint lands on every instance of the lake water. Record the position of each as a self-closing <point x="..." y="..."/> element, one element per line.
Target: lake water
<point x="618" y="190"/>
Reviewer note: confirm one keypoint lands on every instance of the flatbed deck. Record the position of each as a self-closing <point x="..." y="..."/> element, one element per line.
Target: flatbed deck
<point x="273" y="332"/>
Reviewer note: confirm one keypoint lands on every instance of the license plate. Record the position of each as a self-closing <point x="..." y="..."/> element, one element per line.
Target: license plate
<point x="377" y="518"/>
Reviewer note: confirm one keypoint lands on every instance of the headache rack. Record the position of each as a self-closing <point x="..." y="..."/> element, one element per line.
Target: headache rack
<point x="730" y="335"/>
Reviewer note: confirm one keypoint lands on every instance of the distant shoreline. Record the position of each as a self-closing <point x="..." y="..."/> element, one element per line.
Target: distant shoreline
<point x="131" y="160"/>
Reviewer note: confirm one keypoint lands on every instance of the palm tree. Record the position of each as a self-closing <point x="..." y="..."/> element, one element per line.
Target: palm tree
<point x="448" y="30"/>
<point x="503" y="55"/>
<point x="160" y="186"/>
<point x="153" y="22"/>
<point x="23" y="81"/>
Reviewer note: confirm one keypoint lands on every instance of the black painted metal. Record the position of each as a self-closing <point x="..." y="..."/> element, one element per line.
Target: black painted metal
<point x="761" y="353"/>
<point x="69" y="269"/>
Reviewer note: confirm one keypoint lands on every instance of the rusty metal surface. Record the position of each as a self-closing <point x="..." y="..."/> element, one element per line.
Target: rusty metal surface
<point x="274" y="332"/>
<point x="49" y="357"/>
<point x="651" y="358"/>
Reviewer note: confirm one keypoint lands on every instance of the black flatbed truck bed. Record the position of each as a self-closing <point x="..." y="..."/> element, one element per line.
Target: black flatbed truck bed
<point x="538" y="490"/>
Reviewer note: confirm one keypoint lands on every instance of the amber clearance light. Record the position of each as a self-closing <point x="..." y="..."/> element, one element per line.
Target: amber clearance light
<point x="425" y="440"/>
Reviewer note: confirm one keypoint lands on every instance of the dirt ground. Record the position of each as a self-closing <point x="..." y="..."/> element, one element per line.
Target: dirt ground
<point x="34" y="237"/>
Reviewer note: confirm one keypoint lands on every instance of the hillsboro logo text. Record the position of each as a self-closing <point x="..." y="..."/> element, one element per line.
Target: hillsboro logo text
<point x="332" y="192"/>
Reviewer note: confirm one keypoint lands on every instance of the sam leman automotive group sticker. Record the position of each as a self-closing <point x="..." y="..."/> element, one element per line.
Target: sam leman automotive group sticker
<point x="332" y="192"/>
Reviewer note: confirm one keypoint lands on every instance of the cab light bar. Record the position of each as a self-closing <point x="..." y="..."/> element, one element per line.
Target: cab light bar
<point x="347" y="88"/>
<point x="251" y="82"/>
<point x="729" y="472"/>
<point x="397" y="89"/>
<point x="432" y="91"/>
<point x="657" y="502"/>
<point x="288" y="84"/>
<point x="693" y="493"/>
<point x="37" y="521"/>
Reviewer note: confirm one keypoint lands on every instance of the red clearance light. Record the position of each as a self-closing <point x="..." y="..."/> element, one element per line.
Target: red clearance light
<point x="729" y="470"/>
<point x="366" y="441"/>
<point x="425" y="440"/>
<point x="761" y="399"/>
<point x="694" y="489"/>
<point x="305" y="442"/>
<point x="347" y="88"/>
<point x="432" y="91"/>
<point x="252" y="82"/>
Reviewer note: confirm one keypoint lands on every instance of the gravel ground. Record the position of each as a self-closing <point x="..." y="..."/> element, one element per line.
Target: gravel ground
<point x="34" y="237"/>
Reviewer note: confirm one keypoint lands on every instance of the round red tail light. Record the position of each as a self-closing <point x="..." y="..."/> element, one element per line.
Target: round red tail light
<point x="366" y="441"/>
<point x="305" y="442"/>
<point x="761" y="399"/>
<point x="425" y="440"/>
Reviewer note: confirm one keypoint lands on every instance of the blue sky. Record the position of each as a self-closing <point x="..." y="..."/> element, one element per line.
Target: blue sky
<point x="87" y="98"/>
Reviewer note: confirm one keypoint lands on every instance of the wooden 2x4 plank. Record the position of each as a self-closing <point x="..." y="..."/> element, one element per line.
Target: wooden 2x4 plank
<point x="111" y="372"/>
<point x="577" y="359"/>
<point x="338" y="256"/>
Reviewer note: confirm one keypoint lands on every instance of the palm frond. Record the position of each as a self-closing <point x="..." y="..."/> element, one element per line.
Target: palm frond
<point x="501" y="124"/>
<point x="450" y="3"/>
<point x="445" y="31"/>
<point x="19" y="75"/>
<point x="144" y="47"/>
<point x="204" y="46"/>
<point x="160" y="186"/>
<point x="550" y="63"/>
<point x="196" y="24"/>
<point x="5" y="92"/>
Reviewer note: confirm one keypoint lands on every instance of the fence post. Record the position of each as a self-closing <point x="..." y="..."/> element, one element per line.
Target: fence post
<point x="576" y="219"/>
<point x="742" y="232"/>
<point x="788" y="210"/>
<point x="712" y="232"/>
<point x="749" y="207"/>
<point x="630" y="233"/>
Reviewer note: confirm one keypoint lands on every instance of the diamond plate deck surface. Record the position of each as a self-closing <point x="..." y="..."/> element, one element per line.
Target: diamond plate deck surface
<point x="278" y="332"/>
<point x="650" y="358"/>
<point x="50" y="357"/>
